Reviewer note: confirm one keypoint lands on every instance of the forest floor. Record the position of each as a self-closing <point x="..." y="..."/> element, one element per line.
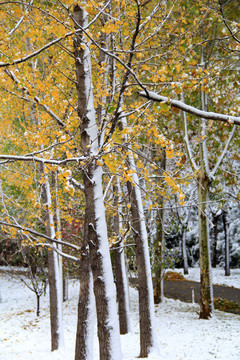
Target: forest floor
<point x="181" y="335"/>
<point x="189" y="291"/>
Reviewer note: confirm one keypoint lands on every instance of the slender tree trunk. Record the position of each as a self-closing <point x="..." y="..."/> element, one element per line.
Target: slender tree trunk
<point x="103" y="284"/>
<point x="227" y="252"/>
<point x="122" y="291"/>
<point x="206" y="288"/>
<point x="159" y="243"/>
<point x="158" y="257"/>
<point x="55" y="301"/>
<point x="38" y="304"/>
<point x="58" y="231"/>
<point x="121" y="276"/>
<point x="214" y="244"/>
<point x="145" y="286"/>
<point x="146" y="303"/>
<point x="184" y="250"/>
<point x="206" y="292"/>
<point x="65" y="281"/>
<point x="86" y="301"/>
<point x="55" y="288"/>
<point x="86" y="307"/>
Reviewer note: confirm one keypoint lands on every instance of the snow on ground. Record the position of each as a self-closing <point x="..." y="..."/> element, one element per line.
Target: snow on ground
<point x="181" y="335"/>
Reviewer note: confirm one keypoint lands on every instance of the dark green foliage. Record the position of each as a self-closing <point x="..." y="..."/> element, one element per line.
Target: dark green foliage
<point x="225" y="305"/>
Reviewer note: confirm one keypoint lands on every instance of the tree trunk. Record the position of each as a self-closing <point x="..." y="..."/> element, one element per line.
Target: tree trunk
<point x="38" y="304"/>
<point x="227" y="252"/>
<point x="120" y="269"/>
<point x="55" y="288"/>
<point x="104" y="288"/>
<point x="158" y="257"/>
<point x="159" y="242"/>
<point x="59" y="231"/>
<point x="122" y="291"/>
<point x="55" y="301"/>
<point x="206" y="291"/>
<point x="214" y="244"/>
<point x="206" y="288"/>
<point x="184" y="250"/>
<point x="86" y="304"/>
<point x="145" y="287"/>
<point x="65" y="280"/>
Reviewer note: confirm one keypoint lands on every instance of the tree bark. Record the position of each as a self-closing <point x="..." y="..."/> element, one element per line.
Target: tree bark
<point x="159" y="242"/>
<point x="214" y="244"/>
<point x="59" y="231"/>
<point x="227" y="250"/>
<point x="122" y="291"/>
<point x="206" y="292"/>
<point x="158" y="257"/>
<point x="120" y="269"/>
<point x="86" y="304"/>
<point x="65" y="280"/>
<point x="103" y="284"/>
<point x="145" y="287"/>
<point x="184" y="250"/>
<point x="55" y="288"/>
<point x="206" y="288"/>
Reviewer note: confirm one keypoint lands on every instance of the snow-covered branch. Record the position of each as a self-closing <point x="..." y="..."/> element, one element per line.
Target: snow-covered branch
<point x="190" y="109"/>
<point x="36" y="233"/>
<point x="77" y="184"/>
<point x="40" y="160"/>
<point x="59" y="252"/>
<point x="37" y="52"/>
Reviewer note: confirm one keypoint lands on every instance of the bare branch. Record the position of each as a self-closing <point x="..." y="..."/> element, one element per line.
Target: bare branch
<point x="220" y="159"/>
<point x="128" y="72"/>
<point x="226" y="24"/>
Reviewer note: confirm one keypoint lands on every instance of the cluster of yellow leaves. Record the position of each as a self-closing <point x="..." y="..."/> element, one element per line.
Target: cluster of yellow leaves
<point x="174" y="187"/>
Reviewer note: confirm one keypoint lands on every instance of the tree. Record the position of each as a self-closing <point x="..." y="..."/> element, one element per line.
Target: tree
<point x="154" y="47"/>
<point x="119" y="262"/>
<point x="203" y="186"/>
<point x="109" y="342"/>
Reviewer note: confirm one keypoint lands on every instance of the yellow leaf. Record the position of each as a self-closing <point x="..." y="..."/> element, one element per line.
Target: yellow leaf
<point x="99" y="162"/>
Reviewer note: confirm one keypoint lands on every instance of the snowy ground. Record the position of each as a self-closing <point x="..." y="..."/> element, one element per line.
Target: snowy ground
<point x="181" y="335"/>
